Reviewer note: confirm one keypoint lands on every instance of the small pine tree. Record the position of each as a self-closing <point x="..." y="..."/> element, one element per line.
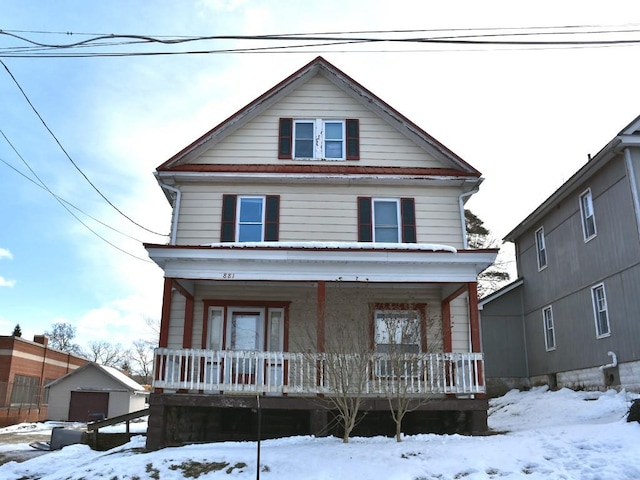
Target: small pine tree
<point x="17" y="331"/>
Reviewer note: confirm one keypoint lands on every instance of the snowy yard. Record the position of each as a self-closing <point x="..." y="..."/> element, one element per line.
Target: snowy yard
<point x="539" y="435"/>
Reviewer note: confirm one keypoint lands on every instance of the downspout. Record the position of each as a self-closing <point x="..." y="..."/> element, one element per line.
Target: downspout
<point x="633" y="185"/>
<point x="465" y="243"/>
<point x="176" y="210"/>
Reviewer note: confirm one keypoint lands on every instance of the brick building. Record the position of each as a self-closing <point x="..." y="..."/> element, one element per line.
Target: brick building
<point x="25" y="368"/>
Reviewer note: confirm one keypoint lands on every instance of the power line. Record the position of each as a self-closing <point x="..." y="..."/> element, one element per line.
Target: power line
<point x="71" y="160"/>
<point x="471" y="37"/>
<point x="59" y="200"/>
<point x="75" y="207"/>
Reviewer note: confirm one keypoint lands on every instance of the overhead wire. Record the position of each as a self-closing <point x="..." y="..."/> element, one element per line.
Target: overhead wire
<point x="59" y="200"/>
<point x="69" y="156"/>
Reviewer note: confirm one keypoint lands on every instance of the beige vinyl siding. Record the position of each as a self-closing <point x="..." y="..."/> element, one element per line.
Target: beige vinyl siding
<point x="257" y="141"/>
<point x="303" y="307"/>
<point x="313" y="212"/>
<point x="460" y="324"/>
<point x="176" y="322"/>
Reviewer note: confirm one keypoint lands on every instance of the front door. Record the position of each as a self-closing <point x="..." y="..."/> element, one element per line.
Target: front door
<point x="245" y="335"/>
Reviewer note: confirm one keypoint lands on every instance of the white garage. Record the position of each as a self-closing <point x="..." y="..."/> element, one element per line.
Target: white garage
<point x="93" y="392"/>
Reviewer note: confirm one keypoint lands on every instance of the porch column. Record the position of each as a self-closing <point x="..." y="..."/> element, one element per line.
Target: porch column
<point x="163" y="341"/>
<point x="474" y="327"/>
<point x="320" y="313"/>
<point x="474" y="321"/>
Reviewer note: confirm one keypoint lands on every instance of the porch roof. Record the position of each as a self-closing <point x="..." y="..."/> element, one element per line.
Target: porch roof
<point x="315" y="261"/>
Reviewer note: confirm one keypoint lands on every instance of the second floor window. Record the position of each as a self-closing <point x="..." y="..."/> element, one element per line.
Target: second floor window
<point x="318" y="139"/>
<point x="250" y="218"/>
<point x="386" y="220"/>
<point x="541" y="249"/>
<point x="588" y="217"/>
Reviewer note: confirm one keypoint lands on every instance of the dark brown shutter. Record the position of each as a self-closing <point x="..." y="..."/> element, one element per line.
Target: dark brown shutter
<point x="353" y="139"/>
<point x="285" y="136"/>
<point x="272" y="219"/>
<point x="228" y="229"/>
<point x="365" y="225"/>
<point x="408" y="214"/>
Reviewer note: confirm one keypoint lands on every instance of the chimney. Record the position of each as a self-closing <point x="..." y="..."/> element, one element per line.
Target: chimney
<point x="41" y="339"/>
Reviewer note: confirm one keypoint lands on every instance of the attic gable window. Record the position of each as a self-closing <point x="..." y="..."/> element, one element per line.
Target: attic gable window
<point x="319" y="139"/>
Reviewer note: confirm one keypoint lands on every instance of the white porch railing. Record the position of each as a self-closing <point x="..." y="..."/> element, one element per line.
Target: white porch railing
<point x="226" y="371"/>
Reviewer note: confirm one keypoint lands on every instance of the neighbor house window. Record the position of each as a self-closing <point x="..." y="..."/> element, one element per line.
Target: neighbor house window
<point x="588" y="218"/>
<point x="250" y="218"/>
<point x="386" y="220"/>
<point x="317" y="139"/>
<point x="549" y="331"/>
<point x="541" y="249"/>
<point x="600" y="311"/>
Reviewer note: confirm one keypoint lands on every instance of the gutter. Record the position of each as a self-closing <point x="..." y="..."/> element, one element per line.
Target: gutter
<point x="176" y="210"/>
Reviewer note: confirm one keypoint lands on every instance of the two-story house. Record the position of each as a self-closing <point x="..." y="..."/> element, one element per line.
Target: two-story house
<point x="571" y="319"/>
<point x="301" y="224"/>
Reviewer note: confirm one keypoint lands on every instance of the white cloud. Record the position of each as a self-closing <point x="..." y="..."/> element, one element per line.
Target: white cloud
<point x="7" y="283"/>
<point x="120" y="321"/>
<point x="4" y="253"/>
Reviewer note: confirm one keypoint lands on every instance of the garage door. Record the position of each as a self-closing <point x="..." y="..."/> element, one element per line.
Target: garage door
<point x="86" y="406"/>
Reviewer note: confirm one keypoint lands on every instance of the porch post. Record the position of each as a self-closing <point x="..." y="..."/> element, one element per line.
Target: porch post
<point x="474" y="321"/>
<point x="474" y="327"/>
<point x="321" y="294"/>
<point x="166" y="313"/>
<point x="446" y="326"/>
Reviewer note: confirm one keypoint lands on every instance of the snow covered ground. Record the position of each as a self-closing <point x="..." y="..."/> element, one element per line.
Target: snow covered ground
<point x="543" y="435"/>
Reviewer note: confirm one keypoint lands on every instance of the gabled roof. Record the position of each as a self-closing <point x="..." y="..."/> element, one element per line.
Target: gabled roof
<point x="115" y="374"/>
<point x="320" y="66"/>
<point x="629" y="136"/>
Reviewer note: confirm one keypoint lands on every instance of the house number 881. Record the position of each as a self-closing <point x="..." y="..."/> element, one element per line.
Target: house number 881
<point x="228" y="276"/>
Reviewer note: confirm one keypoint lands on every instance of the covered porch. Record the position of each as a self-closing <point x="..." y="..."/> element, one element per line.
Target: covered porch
<point x="297" y="302"/>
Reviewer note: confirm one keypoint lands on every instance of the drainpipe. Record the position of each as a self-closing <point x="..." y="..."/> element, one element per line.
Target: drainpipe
<point x="176" y="210"/>
<point x="614" y="362"/>
<point x="461" y="198"/>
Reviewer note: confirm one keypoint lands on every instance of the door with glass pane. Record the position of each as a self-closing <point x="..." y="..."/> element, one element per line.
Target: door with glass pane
<point x="245" y="337"/>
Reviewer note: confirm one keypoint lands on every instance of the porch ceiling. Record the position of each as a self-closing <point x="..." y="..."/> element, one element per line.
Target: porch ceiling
<point x="419" y="263"/>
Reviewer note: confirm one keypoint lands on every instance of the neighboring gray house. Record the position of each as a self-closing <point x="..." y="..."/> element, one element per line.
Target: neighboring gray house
<point x="572" y="319"/>
<point x="92" y="392"/>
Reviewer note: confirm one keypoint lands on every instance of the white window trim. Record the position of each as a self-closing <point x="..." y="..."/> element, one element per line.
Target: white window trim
<point x="398" y="217"/>
<point x="319" y="138"/>
<point x="262" y="220"/>
<point x="596" y="311"/>
<point x="547" y="329"/>
<point x="583" y="217"/>
<point x="538" y="250"/>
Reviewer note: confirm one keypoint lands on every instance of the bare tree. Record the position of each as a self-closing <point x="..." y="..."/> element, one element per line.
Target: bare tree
<point x="141" y="359"/>
<point x="107" y="354"/>
<point x="401" y="359"/>
<point x="345" y="363"/>
<point x="61" y="338"/>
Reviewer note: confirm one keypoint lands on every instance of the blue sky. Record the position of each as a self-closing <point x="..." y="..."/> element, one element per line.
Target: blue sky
<point x="526" y="118"/>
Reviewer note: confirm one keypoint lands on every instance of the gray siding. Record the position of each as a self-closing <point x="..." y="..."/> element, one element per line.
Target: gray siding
<point x="503" y="336"/>
<point x="574" y="266"/>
